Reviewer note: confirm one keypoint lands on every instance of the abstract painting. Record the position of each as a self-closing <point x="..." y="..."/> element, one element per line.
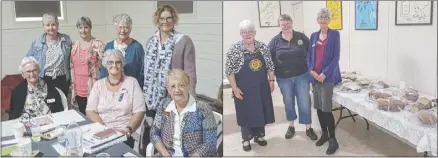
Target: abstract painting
<point x="336" y="8"/>
<point x="413" y="12"/>
<point x="269" y="12"/>
<point x="366" y="15"/>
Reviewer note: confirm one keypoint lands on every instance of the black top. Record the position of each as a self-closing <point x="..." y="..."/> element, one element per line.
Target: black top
<point x="19" y="94"/>
<point x="289" y="57"/>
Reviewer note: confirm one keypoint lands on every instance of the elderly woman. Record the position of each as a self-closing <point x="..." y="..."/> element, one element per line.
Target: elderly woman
<point x="323" y="65"/>
<point x="52" y="51"/>
<point x="183" y="126"/>
<point x="34" y="96"/>
<point x="289" y="52"/>
<point x="131" y="49"/>
<point x="248" y="66"/>
<point x="116" y="101"/>
<point x="85" y="63"/>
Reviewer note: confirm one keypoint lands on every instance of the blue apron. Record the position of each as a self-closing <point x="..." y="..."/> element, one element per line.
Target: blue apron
<point x="256" y="109"/>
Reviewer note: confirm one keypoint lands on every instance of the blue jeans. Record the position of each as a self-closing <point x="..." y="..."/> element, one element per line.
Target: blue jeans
<point x="299" y="87"/>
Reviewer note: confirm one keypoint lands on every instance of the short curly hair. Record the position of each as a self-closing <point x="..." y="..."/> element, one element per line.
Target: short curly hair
<point x="161" y="9"/>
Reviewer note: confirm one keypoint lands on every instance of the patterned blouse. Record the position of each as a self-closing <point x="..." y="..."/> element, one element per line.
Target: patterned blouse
<point x="54" y="60"/>
<point x="35" y="105"/>
<point x="235" y="57"/>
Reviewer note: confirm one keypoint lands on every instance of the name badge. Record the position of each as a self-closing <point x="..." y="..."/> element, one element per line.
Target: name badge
<point x="313" y="45"/>
<point x="51" y="100"/>
<point x="122" y="94"/>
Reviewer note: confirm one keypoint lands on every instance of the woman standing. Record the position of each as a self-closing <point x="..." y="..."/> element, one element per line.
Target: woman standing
<point x="52" y="51"/>
<point x="289" y="52"/>
<point x="132" y="50"/>
<point x="85" y="63"/>
<point x="247" y="67"/>
<point x="323" y="64"/>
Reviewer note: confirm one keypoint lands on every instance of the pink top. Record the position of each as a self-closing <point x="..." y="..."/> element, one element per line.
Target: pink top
<point x="80" y="73"/>
<point x="116" y="109"/>
<point x="319" y="54"/>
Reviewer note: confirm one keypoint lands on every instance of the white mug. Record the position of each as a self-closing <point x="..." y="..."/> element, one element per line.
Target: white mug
<point x="18" y="130"/>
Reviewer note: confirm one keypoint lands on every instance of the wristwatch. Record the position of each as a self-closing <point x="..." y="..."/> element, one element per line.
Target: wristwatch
<point x="272" y="80"/>
<point x="129" y="129"/>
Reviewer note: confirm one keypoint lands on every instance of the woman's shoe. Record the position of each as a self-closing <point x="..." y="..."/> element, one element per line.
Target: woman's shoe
<point x="246" y="146"/>
<point x="260" y="141"/>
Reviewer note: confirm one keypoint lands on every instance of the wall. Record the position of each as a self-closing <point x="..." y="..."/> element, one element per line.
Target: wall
<point x="236" y="11"/>
<point x="392" y="53"/>
<point x="204" y="27"/>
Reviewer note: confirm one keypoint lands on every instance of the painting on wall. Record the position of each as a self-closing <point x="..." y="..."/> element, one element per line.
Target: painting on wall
<point x="269" y="12"/>
<point x="366" y="15"/>
<point x="413" y="12"/>
<point x="336" y="8"/>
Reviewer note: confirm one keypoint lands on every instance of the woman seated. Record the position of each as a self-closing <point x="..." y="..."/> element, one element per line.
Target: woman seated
<point x="183" y="126"/>
<point x="33" y="97"/>
<point x="116" y="101"/>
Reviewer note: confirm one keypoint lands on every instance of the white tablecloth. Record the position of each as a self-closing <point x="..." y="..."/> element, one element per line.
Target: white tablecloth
<point x="404" y="124"/>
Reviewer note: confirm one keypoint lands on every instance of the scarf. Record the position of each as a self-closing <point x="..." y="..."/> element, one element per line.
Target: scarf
<point x="157" y="63"/>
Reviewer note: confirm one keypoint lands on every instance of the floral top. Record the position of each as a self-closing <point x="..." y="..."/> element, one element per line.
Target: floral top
<point x="235" y="57"/>
<point x="54" y="60"/>
<point x="34" y="105"/>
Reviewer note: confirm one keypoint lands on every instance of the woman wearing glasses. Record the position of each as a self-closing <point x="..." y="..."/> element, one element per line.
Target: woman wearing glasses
<point x="323" y="65"/>
<point x="116" y="101"/>
<point x="131" y="49"/>
<point x="34" y="96"/>
<point x="167" y="49"/>
<point x="248" y="66"/>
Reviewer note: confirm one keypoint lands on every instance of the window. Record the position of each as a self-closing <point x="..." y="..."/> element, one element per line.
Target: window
<point x="182" y="7"/>
<point x="34" y="10"/>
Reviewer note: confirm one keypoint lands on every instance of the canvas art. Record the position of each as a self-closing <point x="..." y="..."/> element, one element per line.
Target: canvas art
<point x="336" y="8"/>
<point x="413" y="12"/>
<point x="366" y="15"/>
<point x="269" y="12"/>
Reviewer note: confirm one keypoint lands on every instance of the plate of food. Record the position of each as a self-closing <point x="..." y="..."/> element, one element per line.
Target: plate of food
<point x="373" y="96"/>
<point x="392" y="104"/>
<point x="427" y="117"/>
<point x="351" y="87"/>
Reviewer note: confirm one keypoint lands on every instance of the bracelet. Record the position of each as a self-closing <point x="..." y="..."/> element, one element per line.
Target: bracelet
<point x="272" y="80"/>
<point x="129" y="130"/>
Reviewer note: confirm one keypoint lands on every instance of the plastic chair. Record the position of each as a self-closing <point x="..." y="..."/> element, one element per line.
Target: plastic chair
<point x="63" y="99"/>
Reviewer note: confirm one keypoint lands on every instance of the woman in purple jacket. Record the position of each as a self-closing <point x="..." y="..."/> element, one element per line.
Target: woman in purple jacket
<point x="323" y="65"/>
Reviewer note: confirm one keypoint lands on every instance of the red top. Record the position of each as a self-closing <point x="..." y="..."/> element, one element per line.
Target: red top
<point x="319" y="54"/>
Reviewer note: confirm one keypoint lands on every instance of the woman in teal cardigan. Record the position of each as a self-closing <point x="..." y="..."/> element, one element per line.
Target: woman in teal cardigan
<point x="195" y="131"/>
<point x="131" y="48"/>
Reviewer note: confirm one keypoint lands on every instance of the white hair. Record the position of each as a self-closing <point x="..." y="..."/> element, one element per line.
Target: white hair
<point x="324" y="11"/>
<point x="122" y="18"/>
<point x="28" y="60"/>
<point x="246" y="25"/>
<point x="111" y="52"/>
<point x="50" y="17"/>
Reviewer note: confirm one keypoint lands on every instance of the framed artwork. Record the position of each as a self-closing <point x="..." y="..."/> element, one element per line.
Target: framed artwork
<point x="336" y="8"/>
<point x="269" y="12"/>
<point x="366" y="15"/>
<point x="413" y="12"/>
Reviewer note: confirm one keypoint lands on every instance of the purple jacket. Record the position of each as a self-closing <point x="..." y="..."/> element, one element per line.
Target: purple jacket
<point x="330" y="60"/>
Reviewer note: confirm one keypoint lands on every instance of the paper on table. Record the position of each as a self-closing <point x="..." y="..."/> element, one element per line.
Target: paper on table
<point x="7" y="127"/>
<point x="59" y="148"/>
<point x="128" y="154"/>
<point x="65" y="117"/>
<point x="6" y="142"/>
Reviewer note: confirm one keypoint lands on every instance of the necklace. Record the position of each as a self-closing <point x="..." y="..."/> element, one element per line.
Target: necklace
<point x="115" y="84"/>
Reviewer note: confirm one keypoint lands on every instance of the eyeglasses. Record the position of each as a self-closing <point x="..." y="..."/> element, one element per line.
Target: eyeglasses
<point x="118" y="63"/>
<point x="323" y="18"/>
<point x="173" y="87"/>
<point x="29" y="72"/>
<point x="168" y="19"/>
<point x="247" y="32"/>
<point x="119" y="28"/>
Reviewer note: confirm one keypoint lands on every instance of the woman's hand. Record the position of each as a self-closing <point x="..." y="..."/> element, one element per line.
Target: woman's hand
<point x="166" y="154"/>
<point x="321" y="78"/>
<point x="272" y="86"/>
<point x="314" y="74"/>
<point x="238" y="93"/>
<point x="123" y="131"/>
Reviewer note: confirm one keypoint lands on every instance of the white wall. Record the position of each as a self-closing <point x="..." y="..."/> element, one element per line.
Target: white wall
<point x="204" y="27"/>
<point x="392" y="53"/>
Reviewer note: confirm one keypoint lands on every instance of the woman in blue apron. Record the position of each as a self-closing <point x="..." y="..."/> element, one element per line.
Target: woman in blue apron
<point x="248" y="66"/>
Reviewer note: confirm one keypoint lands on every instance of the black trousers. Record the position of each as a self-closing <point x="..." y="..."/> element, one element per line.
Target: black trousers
<point x="249" y="133"/>
<point x="82" y="103"/>
<point x="60" y="82"/>
<point x="130" y="142"/>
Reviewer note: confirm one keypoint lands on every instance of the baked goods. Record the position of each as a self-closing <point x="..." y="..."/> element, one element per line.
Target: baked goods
<point x="392" y="105"/>
<point x="427" y="117"/>
<point x="374" y="95"/>
<point x="423" y="104"/>
<point x="351" y="87"/>
<point x="411" y="95"/>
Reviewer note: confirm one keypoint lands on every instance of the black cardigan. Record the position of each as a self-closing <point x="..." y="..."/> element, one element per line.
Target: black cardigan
<point x="19" y="95"/>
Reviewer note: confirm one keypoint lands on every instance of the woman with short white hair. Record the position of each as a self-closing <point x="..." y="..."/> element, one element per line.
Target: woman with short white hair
<point x="248" y="66"/>
<point x="131" y="49"/>
<point x="34" y="96"/>
<point x="52" y="51"/>
<point x="116" y="101"/>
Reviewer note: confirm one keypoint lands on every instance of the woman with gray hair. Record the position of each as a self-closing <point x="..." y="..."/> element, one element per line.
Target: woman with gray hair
<point x="323" y="66"/>
<point x="34" y="96"/>
<point x="289" y="51"/>
<point x="116" y="101"/>
<point x="52" y="51"/>
<point x="248" y="66"/>
<point x="131" y="49"/>
<point x="85" y="63"/>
